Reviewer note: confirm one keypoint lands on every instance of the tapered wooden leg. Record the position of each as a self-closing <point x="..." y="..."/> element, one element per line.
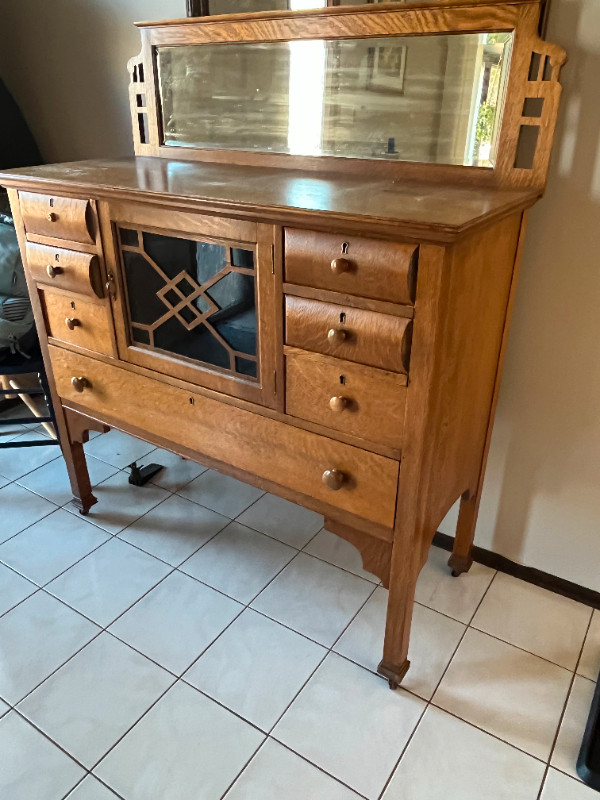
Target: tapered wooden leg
<point x="83" y="499"/>
<point x="78" y="428"/>
<point x="395" y="663"/>
<point x="461" y="559"/>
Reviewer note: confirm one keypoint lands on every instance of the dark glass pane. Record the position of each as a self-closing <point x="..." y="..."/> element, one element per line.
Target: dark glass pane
<point x="143" y="284"/>
<point x="191" y="301"/>
<point x="128" y="238"/>
<point x="140" y="336"/>
<point x="245" y="367"/>
<point x="242" y="258"/>
<point x="199" y="344"/>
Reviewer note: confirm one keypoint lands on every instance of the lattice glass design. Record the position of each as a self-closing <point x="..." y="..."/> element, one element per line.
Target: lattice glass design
<point x="193" y="299"/>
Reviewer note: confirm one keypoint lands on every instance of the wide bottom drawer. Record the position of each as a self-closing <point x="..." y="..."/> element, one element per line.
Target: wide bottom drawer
<point x="354" y="480"/>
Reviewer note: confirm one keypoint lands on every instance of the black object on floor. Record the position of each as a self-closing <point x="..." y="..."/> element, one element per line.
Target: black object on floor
<point x="141" y="475"/>
<point x="588" y="763"/>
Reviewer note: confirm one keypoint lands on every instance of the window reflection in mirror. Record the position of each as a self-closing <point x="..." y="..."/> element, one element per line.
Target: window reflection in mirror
<point x="432" y="98"/>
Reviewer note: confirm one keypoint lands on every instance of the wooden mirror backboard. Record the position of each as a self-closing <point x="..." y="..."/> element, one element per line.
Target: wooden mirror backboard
<point x="452" y="91"/>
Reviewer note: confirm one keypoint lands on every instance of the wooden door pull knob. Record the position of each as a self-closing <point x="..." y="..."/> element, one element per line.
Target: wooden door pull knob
<point x="334" y="479"/>
<point x="336" y="336"/>
<point x="338" y="404"/>
<point x="52" y="217"/>
<point x="53" y="271"/>
<point x="79" y="384"/>
<point x="340" y="265"/>
<point x="72" y="323"/>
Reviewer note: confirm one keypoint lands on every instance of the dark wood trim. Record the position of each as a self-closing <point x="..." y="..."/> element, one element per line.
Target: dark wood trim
<point x="528" y="574"/>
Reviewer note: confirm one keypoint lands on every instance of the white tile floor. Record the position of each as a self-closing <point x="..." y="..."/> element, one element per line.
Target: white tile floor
<point x="195" y="639"/>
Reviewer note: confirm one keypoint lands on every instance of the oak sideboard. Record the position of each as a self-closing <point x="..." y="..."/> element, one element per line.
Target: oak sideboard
<point x="304" y="277"/>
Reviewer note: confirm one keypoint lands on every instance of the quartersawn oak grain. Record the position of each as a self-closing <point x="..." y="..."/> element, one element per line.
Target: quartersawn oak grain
<point x="365" y="267"/>
<point x="377" y="340"/>
<point x="90" y="324"/>
<point x="59" y="217"/>
<point x="65" y="269"/>
<point x="467" y="225"/>
<point x="371" y="402"/>
<point x="270" y="449"/>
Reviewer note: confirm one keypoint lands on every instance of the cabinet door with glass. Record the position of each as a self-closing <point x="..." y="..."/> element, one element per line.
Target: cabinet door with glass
<point x="194" y="297"/>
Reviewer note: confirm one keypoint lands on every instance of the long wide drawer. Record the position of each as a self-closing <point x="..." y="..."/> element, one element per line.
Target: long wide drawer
<point x="362" y="401"/>
<point x="351" y="265"/>
<point x="367" y="337"/>
<point x="354" y="480"/>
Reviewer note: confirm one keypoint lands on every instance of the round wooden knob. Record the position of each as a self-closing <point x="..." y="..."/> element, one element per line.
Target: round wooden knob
<point x="72" y="323"/>
<point x="338" y="404"/>
<point x="53" y="271"/>
<point x="79" y="384"/>
<point x="336" y="336"/>
<point x="340" y="265"/>
<point x="334" y="479"/>
<point x="52" y="217"/>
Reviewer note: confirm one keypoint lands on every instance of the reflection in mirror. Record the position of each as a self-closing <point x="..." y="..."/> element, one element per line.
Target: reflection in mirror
<point x="243" y="6"/>
<point x="434" y="99"/>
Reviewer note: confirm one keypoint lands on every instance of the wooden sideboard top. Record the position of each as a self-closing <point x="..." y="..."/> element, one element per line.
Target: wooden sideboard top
<point x="435" y="212"/>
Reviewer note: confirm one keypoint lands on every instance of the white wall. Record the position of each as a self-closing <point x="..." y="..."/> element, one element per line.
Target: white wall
<point x="65" y="63"/>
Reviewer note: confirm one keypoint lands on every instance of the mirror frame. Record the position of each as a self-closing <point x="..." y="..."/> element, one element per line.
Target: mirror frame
<point x="534" y="73"/>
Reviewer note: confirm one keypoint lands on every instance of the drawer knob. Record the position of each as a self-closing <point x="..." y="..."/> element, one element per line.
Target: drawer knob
<point x="52" y="217"/>
<point x="53" y="271"/>
<point x="340" y="265"/>
<point x="336" y="336"/>
<point x="79" y="384"/>
<point x="338" y="404"/>
<point x="72" y="323"/>
<point x="334" y="479"/>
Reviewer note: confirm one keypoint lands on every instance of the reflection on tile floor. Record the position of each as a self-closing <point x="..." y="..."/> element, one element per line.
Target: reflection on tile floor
<point x="196" y="639"/>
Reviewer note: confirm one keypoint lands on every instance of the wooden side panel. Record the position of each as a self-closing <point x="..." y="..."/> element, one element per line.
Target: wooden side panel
<point x="361" y="401"/>
<point x="272" y="450"/>
<point x="464" y="362"/>
<point x="377" y="340"/>
<point x="351" y="265"/>
<point x="72" y="320"/>
<point x="58" y="217"/>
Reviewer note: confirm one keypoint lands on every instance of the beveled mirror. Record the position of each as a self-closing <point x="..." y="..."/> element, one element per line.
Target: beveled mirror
<point x="432" y="99"/>
<point x="403" y="90"/>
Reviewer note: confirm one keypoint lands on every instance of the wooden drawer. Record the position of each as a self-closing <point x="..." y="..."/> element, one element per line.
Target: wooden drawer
<point x="270" y="449"/>
<point x="363" y="267"/>
<point x="357" y="400"/>
<point x="58" y="217"/>
<point x="367" y="337"/>
<point x="65" y="269"/>
<point x="77" y="322"/>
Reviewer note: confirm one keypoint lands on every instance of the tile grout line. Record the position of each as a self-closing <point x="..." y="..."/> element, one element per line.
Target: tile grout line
<point x="247" y="606"/>
<point x="564" y="711"/>
<point x="429" y="702"/>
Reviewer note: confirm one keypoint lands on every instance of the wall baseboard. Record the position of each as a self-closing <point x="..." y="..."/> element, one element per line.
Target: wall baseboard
<point x="528" y="574"/>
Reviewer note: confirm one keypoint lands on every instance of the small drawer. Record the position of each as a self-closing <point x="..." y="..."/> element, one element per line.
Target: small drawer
<point x="58" y="217"/>
<point x="367" y="337"/>
<point x="77" y="322"/>
<point x="361" y="401"/>
<point x="362" y="267"/>
<point x="65" y="269"/>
